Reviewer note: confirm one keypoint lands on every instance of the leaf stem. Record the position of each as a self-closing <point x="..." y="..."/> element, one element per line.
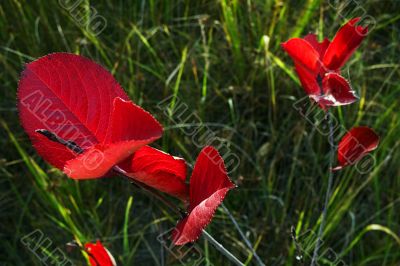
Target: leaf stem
<point x="243" y="236"/>
<point x="328" y="192"/>
<point x="221" y="248"/>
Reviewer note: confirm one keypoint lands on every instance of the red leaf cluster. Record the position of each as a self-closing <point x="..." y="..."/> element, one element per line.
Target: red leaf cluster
<point x="318" y="67"/>
<point x="318" y="64"/>
<point x="79" y="102"/>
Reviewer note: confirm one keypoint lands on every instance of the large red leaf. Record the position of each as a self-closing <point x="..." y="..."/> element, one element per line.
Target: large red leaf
<point x="72" y="97"/>
<point x="356" y="144"/>
<point x="158" y="170"/>
<point x="209" y="184"/>
<point x="343" y="45"/>
<point x="99" y="255"/>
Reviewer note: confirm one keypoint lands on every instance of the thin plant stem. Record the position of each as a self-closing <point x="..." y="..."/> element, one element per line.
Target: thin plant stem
<point x="243" y="236"/>
<point x="119" y="171"/>
<point x="328" y="192"/>
<point x="221" y="248"/>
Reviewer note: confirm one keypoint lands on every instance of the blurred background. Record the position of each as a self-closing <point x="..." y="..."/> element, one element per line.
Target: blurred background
<point x="222" y="60"/>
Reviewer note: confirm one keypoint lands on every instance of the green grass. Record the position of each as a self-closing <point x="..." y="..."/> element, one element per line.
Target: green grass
<point x="223" y="59"/>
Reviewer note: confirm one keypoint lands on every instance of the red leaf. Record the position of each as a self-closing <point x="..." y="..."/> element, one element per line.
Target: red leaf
<point x="303" y="54"/>
<point x="99" y="255"/>
<point x="337" y="90"/>
<point x="346" y="41"/>
<point x="72" y="97"/>
<point x="158" y="170"/>
<point x="306" y="57"/>
<point x="356" y="144"/>
<point x="209" y="184"/>
<point x="64" y="93"/>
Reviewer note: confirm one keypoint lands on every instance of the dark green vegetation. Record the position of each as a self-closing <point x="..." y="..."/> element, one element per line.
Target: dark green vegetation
<point x="223" y="59"/>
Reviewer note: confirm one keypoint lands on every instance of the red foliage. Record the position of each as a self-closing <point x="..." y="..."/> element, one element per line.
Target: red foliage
<point x="99" y="255"/>
<point x="74" y="101"/>
<point x="209" y="184"/>
<point x="318" y="64"/>
<point x="356" y="144"/>
<point x="159" y="170"/>
<point x="79" y="100"/>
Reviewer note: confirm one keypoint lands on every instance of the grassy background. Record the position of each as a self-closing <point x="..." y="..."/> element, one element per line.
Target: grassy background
<point x="223" y="59"/>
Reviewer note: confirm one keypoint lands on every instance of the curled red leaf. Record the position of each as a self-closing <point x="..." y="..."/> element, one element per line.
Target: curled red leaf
<point x="159" y="170"/>
<point x="209" y="184"/>
<point x="358" y="142"/>
<point x="337" y="90"/>
<point x="343" y="45"/>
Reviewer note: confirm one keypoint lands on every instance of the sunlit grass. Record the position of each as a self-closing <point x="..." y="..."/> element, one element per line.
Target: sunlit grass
<point x="224" y="60"/>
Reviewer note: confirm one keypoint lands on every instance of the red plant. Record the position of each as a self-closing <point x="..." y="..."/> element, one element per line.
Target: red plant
<point x="76" y="102"/>
<point x="99" y="255"/>
<point x="80" y="120"/>
<point x="209" y="184"/>
<point x="80" y="102"/>
<point x="318" y="67"/>
<point x="358" y="142"/>
<point x="318" y="64"/>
